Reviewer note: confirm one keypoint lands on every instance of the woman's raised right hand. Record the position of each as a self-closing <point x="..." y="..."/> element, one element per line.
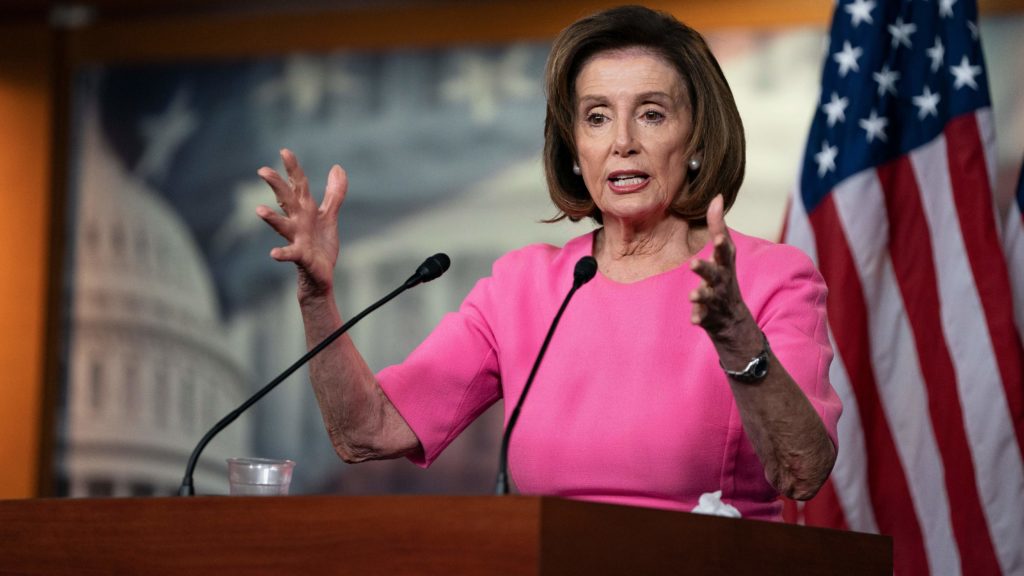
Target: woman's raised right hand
<point x="310" y="229"/>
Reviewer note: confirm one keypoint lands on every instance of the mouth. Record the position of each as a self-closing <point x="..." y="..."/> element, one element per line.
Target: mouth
<point x="627" y="180"/>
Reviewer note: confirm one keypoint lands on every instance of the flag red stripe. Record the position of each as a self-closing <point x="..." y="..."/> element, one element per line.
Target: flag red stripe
<point x="825" y="509"/>
<point x="791" y="511"/>
<point x="973" y="196"/>
<point x="847" y="311"/>
<point x="911" y="250"/>
<point x="785" y="219"/>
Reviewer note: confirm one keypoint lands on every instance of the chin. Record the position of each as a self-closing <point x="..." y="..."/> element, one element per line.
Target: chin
<point x="640" y="211"/>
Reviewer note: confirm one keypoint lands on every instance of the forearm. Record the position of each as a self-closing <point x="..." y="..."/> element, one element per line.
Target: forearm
<point x="361" y="422"/>
<point x="785" y="430"/>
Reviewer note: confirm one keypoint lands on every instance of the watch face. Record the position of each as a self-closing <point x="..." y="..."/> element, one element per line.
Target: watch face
<point x="761" y="368"/>
<point x="756" y="372"/>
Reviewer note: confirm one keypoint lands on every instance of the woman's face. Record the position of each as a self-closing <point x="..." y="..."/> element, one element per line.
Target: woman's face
<point x="633" y="121"/>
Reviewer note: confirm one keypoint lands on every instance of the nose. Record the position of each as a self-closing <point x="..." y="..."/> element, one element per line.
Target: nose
<point x="625" y="139"/>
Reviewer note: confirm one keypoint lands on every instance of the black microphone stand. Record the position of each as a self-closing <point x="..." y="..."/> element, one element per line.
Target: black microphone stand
<point x="432" y="268"/>
<point x="584" y="271"/>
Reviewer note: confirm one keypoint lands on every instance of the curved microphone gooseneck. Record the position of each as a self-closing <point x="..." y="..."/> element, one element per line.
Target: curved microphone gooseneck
<point x="430" y="269"/>
<point x="584" y="271"/>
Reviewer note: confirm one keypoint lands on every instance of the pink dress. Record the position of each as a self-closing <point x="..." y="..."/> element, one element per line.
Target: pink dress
<point x="629" y="405"/>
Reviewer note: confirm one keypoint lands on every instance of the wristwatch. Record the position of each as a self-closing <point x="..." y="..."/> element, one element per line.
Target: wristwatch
<point x="756" y="369"/>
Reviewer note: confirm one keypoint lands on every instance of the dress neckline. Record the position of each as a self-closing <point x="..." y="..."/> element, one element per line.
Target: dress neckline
<point x="703" y="253"/>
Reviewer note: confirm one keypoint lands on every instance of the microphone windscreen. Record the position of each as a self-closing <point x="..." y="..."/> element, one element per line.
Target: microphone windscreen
<point x="586" y="269"/>
<point x="434" y="266"/>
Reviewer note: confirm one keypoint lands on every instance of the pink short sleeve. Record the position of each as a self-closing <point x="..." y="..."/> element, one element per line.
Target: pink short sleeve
<point x="793" y="316"/>
<point x="448" y="380"/>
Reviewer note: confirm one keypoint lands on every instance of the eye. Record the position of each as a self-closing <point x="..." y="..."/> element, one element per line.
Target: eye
<point x="653" y="116"/>
<point x="596" y="119"/>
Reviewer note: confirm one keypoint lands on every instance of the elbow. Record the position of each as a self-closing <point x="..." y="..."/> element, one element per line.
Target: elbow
<point x="371" y="438"/>
<point x="350" y="450"/>
<point x="801" y="490"/>
<point x="350" y="455"/>
<point x="802" y="477"/>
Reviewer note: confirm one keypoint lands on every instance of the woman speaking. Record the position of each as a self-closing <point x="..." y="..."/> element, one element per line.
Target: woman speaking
<point x="695" y="361"/>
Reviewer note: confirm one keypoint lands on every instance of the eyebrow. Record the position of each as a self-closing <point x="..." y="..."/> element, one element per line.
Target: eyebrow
<point x="642" y="97"/>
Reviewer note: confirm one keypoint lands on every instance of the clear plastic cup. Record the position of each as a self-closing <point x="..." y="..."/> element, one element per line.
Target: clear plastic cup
<point x="259" y="476"/>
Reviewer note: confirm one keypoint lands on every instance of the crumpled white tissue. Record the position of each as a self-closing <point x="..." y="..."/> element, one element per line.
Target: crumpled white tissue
<point x="710" y="503"/>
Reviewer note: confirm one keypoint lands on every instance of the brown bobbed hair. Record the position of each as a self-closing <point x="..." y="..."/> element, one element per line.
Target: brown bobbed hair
<point x="717" y="127"/>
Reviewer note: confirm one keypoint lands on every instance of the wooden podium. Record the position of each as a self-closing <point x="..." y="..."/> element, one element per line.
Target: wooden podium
<point x="422" y="535"/>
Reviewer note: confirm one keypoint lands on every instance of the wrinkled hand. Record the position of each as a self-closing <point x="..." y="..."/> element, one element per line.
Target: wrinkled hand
<point x="718" y="306"/>
<point x="311" y="230"/>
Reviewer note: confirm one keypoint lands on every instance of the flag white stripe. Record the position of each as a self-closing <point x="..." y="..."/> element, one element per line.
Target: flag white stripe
<point x="850" y="473"/>
<point x="861" y="208"/>
<point x="987" y="134"/>
<point x="998" y="469"/>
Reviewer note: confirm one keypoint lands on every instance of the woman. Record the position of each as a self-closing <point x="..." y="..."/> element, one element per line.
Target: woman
<point x="695" y="361"/>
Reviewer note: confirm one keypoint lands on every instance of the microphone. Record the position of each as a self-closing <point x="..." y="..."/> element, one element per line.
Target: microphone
<point x="430" y="269"/>
<point x="584" y="271"/>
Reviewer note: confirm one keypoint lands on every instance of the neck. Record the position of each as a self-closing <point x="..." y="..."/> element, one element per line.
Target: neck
<point x="627" y="252"/>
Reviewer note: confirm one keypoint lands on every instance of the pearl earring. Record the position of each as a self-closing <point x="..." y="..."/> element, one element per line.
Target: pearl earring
<point x="575" y="168"/>
<point x="694" y="164"/>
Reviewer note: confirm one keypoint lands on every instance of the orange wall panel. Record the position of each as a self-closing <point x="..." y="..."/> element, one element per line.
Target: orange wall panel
<point x="25" y="140"/>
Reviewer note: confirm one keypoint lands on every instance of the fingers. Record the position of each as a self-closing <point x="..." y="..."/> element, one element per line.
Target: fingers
<point x="724" y="252"/>
<point x="716" y="217"/>
<point x="296" y="175"/>
<point x="289" y="193"/>
<point x="282" y="190"/>
<point x="711" y="272"/>
<point x="310" y="228"/>
<point x="699" y="297"/>
<point x="281" y="224"/>
<point x="717" y="290"/>
<point x="697" y="314"/>
<point x="337" y="189"/>
<point x="718" y="233"/>
<point x="285" y="254"/>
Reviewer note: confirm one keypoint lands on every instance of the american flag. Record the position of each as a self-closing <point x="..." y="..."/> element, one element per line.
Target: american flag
<point x="895" y="204"/>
